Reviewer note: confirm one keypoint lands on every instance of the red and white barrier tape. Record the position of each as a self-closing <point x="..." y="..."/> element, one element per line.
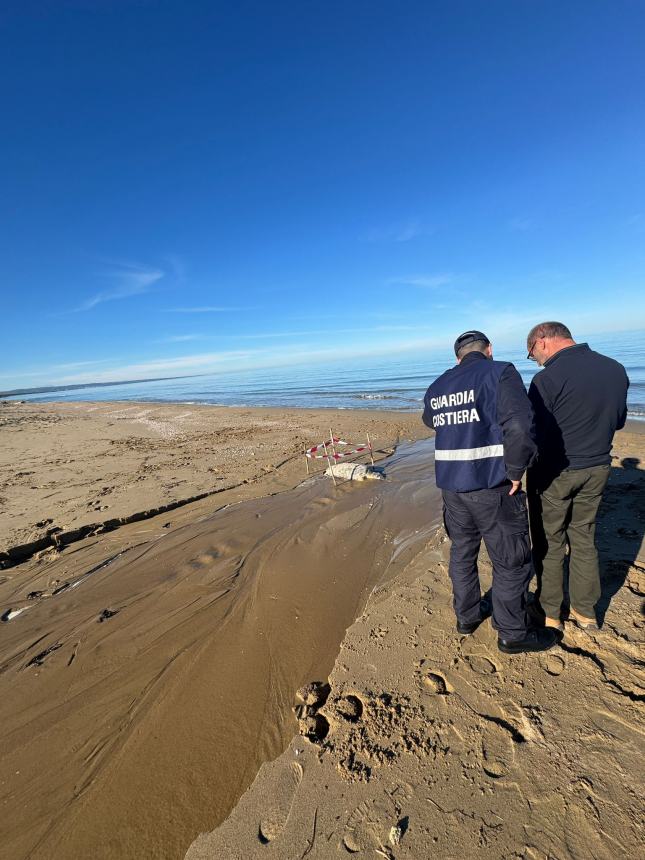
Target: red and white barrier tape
<point x="311" y="452"/>
<point x="321" y="446"/>
<point x="348" y="453"/>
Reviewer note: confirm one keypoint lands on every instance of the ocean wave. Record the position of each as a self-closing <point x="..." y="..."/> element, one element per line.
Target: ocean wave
<point x="384" y="397"/>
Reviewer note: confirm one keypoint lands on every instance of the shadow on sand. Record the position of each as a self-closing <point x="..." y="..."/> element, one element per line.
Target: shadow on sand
<point x="620" y="529"/>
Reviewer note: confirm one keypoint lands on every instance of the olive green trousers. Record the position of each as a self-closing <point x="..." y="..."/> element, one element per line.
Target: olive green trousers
<point x="565" y="513"/>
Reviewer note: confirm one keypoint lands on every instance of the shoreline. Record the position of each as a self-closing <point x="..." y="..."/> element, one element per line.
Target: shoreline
<point x="633" y="422"/>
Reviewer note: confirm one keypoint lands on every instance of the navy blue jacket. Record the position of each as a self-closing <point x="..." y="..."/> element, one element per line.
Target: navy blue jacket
<point x="580" y="400"/>
<point x="483" y="422"/>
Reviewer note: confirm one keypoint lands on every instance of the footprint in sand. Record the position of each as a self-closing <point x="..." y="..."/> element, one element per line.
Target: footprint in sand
<point x="312" y="725"/>
<point x="350" y="708"/>
<point x="368" y="827"/>
<point x="279" y="806"/>
<point x="497" y="754"/>
<point x="499" y="739"/>
<point x="435" y="683"/>
<point x="553" y="665"/>
<point x="481" y="665"/>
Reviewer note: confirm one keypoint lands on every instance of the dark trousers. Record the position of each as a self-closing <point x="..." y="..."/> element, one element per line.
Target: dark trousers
<point x="502" y="521"/>
<point x="566" y="511"/>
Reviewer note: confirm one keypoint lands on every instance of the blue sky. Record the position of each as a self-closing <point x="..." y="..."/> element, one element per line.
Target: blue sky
<point x="189" y="187"/>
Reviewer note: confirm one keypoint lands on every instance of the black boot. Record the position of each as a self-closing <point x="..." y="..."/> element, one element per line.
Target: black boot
<point x="536" y="640"/>
<point x="485" y="609"/>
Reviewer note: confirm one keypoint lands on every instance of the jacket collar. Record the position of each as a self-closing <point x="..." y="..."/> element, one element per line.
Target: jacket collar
<point x="582" y="347"/>
<point x="472" y="356"/>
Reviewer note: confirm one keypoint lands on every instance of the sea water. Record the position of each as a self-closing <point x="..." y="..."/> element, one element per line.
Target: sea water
<point x="396" y="381"/>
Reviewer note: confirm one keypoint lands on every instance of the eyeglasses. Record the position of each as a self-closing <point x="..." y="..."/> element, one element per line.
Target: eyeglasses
<point x="530" y="356"/>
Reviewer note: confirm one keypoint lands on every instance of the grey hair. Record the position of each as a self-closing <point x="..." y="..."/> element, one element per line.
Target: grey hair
<point x="548" y="329"/>
<point x="473" y="346"/>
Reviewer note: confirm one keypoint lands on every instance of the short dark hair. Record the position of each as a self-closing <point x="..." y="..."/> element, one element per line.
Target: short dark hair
<point x="547" y="329"/>
<point x="474" y="340"/>
<point x="473" y="346"/>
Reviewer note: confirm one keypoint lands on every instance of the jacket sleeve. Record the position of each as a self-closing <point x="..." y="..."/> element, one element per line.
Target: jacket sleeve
<point x="428" y="412"/>
<point x="515" y="417"/>
<point x="547" y="434"/>
<point x="622" y="418"/>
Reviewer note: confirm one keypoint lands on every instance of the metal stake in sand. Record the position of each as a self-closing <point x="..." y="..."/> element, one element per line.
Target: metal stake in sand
<point x="370" y="447"/>
<point x="333" y="477"/>
<point x="304" y="448"/>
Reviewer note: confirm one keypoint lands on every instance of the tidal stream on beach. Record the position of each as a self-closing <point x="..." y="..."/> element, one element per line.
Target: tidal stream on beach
<point x="144" y="683"/>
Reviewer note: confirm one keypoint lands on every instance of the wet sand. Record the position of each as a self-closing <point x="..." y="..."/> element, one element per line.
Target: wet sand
<point x="147" y="672"/>
<point x="427" y="744"/>
<point x="71" y="469"/>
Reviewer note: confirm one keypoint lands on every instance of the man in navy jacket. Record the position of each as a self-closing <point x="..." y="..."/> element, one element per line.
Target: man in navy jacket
<point x="483" y="422"/>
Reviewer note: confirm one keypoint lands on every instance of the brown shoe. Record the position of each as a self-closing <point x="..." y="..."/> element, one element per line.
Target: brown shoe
<point x="555" y="623"/>
<point x="582" y="621"/>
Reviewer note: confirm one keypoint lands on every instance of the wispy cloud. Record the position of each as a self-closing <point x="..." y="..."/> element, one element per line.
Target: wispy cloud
<point x="179" y="338"/>
<point x="76" y="365"/>
<point x="427" y="281"/>
<point x="285" y="335"/>
<point x="58" y="368"/>
<point x="164" y="366"/>
<point x="637" y="222"/>
<point x="125" y="280"/>
<point x="177" y="268"/>
<point x="520" y="224"/>
<point x="325" y="331"/>
<point x="505" y="325"/>
<point x="214" y="362"/>
<point x="402" y="231"/>
<point x="207" y="309"/>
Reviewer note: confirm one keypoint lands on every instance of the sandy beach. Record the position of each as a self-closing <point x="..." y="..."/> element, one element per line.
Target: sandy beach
<point x="151" y="666"/>
<point x="80" y="467"/>
<point x="207" y="654"/>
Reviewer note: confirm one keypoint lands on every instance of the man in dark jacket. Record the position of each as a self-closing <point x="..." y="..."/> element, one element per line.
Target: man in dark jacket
<point x="580" y="400"/>
<point x="484" y="442"/>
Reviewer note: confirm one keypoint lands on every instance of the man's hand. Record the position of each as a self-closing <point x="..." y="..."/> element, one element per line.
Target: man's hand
<point x="515" y="486"/>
